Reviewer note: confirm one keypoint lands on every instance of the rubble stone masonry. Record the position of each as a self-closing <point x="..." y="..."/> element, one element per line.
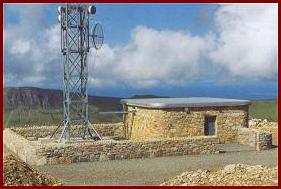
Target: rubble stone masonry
<point x="33" y="133"/>
<point x="148" y="123"/>
<point x="261" y="140"/>
<point x="35" y="153"/>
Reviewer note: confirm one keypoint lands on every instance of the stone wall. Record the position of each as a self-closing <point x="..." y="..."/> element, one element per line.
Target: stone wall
<point x="265" y="125"/>
<point x="264" y="141"/>
<point x="247" y="137"/>
<point x="116" y="150"/>
<point x="148" y="123"/>
<point x="56" y="153"/>
<point x="33" y="133"/>
<point x="261" y="140"/>
<point x="26" y="150"/>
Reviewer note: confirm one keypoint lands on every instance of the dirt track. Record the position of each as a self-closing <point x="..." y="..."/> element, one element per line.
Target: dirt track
<point x="152" y="171"/>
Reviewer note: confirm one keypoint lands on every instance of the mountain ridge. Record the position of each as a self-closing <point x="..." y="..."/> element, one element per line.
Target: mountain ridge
<point x="34" y="97"/>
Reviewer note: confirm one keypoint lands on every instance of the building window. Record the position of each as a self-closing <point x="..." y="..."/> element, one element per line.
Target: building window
<point x="210" y="126"/>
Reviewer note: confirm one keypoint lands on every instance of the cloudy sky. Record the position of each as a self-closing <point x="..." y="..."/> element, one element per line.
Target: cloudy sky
<point x="222" y="50"/>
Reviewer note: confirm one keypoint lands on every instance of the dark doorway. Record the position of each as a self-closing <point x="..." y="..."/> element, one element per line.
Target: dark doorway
<point x="210" y="125"/>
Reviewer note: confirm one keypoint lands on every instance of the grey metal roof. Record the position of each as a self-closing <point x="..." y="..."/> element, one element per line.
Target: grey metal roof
<point x="184" y="102"/>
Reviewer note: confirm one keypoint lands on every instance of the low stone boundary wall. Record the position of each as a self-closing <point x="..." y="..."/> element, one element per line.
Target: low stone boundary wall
<point x="261" y="140"/>
<point x="264" y="140"/>
<point x="35" y="132"/>
<point x="246" y="136"/>
<point x="59" y="153"/>
<point x="26" y="150"/>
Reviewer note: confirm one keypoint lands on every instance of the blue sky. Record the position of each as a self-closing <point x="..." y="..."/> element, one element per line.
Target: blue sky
<point x="162" y="49"/>
<point x="123" y="18"/>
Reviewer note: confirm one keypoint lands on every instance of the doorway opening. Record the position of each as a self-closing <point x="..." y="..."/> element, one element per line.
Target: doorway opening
<point x="210" y="126"/>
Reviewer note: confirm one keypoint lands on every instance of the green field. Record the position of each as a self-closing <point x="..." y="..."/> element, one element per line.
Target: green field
<point x="23" y="116"/>
<point x="266" y="109"/>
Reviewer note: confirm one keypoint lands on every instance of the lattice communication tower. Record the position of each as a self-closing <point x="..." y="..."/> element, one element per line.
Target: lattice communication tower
<point x="76" y="41"/>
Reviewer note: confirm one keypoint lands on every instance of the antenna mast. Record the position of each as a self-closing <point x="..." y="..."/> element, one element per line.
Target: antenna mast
<point x="75" y="46"/>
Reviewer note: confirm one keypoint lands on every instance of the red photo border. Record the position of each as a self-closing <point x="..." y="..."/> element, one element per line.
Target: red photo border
<point x="123" y="1"/>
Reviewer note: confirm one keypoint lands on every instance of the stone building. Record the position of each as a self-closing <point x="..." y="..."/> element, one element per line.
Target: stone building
<point x="159" y="118"/>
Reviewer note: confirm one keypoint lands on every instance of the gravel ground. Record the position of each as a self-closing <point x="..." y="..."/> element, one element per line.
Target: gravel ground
<point x="231" y="175"/>
<point x="18" y="173"/>
<point x="152" y="171"/>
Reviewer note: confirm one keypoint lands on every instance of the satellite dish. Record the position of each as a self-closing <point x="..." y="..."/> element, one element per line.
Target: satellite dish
<point x="97" y="36"/>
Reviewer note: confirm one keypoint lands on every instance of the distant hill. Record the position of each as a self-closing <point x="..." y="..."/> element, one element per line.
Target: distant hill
<point x="31" y="97"/>
<point x="147" y="96"/>
<point x="37" y="106"/>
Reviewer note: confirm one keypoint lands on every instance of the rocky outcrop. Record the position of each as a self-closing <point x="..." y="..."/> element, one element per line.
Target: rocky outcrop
<point x="30" y="97"/>
<point x="231" y="175"/>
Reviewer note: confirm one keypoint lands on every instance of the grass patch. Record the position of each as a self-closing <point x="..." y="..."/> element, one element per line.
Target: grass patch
<point x="38" y="116"/>
<point x="264" y="109"/>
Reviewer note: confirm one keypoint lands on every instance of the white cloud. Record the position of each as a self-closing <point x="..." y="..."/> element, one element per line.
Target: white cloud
<point x="31" y="50"/>
<point x="151" y="57"/>
<point x="20" y="47"/>
<point x="247" y="40"/>
<point x="35" y="62"/>
<point x="245" y="46"/>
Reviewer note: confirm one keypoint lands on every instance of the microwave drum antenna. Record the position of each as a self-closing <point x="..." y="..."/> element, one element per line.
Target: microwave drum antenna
<point x="97" y="36"/>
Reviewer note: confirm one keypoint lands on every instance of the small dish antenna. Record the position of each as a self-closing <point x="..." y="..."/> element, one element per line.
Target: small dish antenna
<point x="97" y="36"/>
<point x="92" y="10"/>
